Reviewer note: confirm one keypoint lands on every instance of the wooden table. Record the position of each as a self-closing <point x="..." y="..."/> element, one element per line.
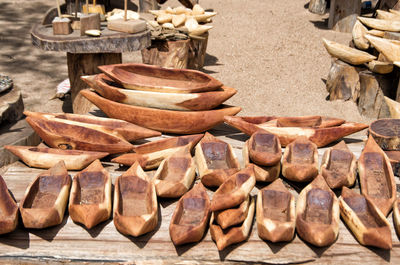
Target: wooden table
<point x="85" y="53"/>
<point x="73" y="243"/>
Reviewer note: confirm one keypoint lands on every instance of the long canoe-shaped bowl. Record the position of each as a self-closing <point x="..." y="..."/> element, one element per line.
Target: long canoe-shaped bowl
<point x="234" y="190"/>
<point x="175" y="174"/>
<point x="386" y="133"/>
<point x="365" y="220"/>
<point x="45" y="199"/>
<point x="155" y="78"/>
<point x="215" y="160"/>
<point x="232" y="235"/>
<point x="108" y="89"/>
<point x="394" y="158"/>
<point x="389" y="48"/>
<point x="122" y="129"/>
<point x="346" y="53"/>
<point x="264" y="149"/>
<point x="169" y="121"/>
<point x="381" y="14"/>
<point x="381" y="24"/>
<point x="67" y="136"/>
<point x="300" y="160"/>
<point x="358" y="34"/>
<point x="276" y="213"/>
<point x="232" y="216"/>
<point x="190" y="218"/>
<point x="376" y="176"/>
<point x="317" y="214"/>
<point x="135" y="203"/>
<point x="90" y="198"/>
<point x="43" y="157"/>
<point x="150" y="155"/>
<point x="394" y="107"/>
<point x="396" y="216"/>
<point x="9" y="209"/>
<point x="339" y="166"/>
<point x="321" y="136"/>
<point x="262" y="173"/>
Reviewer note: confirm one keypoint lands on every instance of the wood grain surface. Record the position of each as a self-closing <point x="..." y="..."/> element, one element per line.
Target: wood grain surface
<point x="70" y="242"/>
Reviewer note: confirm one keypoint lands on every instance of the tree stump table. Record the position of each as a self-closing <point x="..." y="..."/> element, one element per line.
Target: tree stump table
<point x="85" y="53"/>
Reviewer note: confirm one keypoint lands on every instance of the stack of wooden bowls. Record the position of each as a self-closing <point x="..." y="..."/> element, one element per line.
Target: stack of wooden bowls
<point x="177" y="101"/>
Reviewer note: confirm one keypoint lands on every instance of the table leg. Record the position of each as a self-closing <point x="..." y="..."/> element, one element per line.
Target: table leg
<point x="86" y="64"/>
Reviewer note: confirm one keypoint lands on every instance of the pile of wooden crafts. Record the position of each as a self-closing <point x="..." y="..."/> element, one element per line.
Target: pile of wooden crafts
<point x="365" y="72"/>
<point x="177" y="101"/>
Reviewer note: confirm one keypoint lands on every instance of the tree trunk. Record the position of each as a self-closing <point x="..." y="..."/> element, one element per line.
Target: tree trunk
<point x="173" y="54"/>
<point x="197" y="52"/>
<point x="343" y="14"/>
<point x="343" y="81"/>
<point x="86" y="64"/>
<point x="317" y="6"/>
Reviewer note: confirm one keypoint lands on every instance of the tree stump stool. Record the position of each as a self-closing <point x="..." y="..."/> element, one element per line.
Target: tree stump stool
<point x="343" y="14"/>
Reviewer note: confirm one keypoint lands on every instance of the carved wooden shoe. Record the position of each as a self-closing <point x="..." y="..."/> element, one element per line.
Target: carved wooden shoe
<point x="175" y="175"/>
<point x="317" y="214"/>
<point x="135" y="203"/>
<point x="45" y="199"/>
<point x="300" y="160"/>
<point x="90" y="198"/>
<point x="276" y="213"/>
<point x="339" y="166"/>
<point x="215" y="160"/>
<point x="365" y="220"/>
<point x="190" y="217"/>
<point x="376" y="176"/>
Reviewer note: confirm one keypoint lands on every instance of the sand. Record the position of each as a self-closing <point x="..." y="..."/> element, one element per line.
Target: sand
<point x="270" y="51"/>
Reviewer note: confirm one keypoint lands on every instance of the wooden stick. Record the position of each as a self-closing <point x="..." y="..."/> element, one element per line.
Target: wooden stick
<point x="87" y="7"/>
<point x="126" y="10"/>
<point x="76" y="9"/>
<point x="58" y="8"/>
<point x="94" y="2"/>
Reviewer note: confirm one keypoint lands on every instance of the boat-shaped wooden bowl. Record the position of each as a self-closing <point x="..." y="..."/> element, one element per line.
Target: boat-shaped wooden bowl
<point x="45" y="199"/>
<point x="90" y="198"/>
<point x="339" y="166"/>
<point x="111" y="90"/>
<point x="276" y="213"/>
<point x="122" y="129"/>
<point x="168" y="121"/>
<point x="8" y="209"/>
<point x="365" y="220"/>
<point x="43" y="157"/>
<point x="394" y="158"/>
<point x="262" y="173"/>
<point x="233" y="216"/>
<point x="386" y="133"/>
<point x="232" y="235"/>
<point x="328" y="131"/>
<point x="300" y="160"/>
<point x="234" y="190"/>
<point x="150" y="155"/>
<point x="215" y="160"/>
<point x="190" y="218"/>
<point x="135" y="203"/>
<point x="317" y="214"/>
<point x="376" y="176"/>
<point x="396" y="216"/>
<point x="155" y="78"/>
<point x="68" y="136"/>
<point x="175" y="175"/>
<point x="264" y="149"/>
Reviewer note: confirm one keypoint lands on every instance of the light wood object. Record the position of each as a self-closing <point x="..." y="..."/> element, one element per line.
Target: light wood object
<point x="317" y="6"/>
<point x="343" y="14"/>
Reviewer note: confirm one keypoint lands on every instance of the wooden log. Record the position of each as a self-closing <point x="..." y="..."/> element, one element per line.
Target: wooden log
<point x="373" y="88"/>
<point x="317" y="6"/>
<point x="343" y="81"/>
<point x="11" y="105"/>
<point x="86" y="64"/>
<point x="343" y="14"/>
<point x="61" y="26"/>
<point x="90" y="21"/>
<point x="173" y="54"/>
<point x="197" y="51"/>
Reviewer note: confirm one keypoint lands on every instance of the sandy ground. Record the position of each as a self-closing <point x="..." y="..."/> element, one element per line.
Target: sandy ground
<point x="270" y="51"/>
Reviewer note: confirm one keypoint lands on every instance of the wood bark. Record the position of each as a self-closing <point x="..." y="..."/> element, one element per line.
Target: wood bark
<point x="372" y="89"/>
<point x="343" y="14"/>
<point x="197" y="52"/>
<point x="317" y="6"/>
<point x="86" y="64"/>
<point x="173" y="54"/>
<point x="343" y="81"/>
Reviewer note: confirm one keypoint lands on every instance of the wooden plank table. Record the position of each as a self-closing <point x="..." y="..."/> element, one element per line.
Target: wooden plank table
<point x="70" y="242"/>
